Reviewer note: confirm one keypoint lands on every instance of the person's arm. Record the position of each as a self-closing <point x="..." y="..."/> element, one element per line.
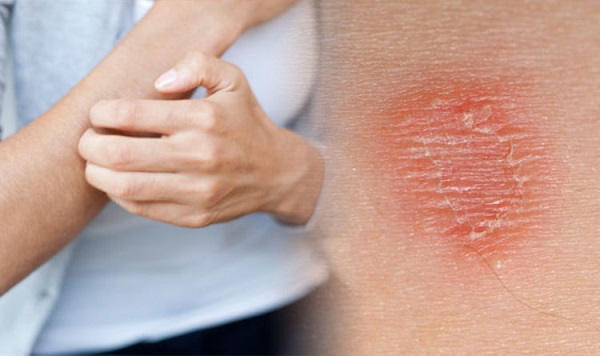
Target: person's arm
<point x="207" y="161"/>
<point x="45" y="200"/>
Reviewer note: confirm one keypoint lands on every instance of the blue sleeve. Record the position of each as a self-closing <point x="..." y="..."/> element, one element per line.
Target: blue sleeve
<point x="5" y="13"/>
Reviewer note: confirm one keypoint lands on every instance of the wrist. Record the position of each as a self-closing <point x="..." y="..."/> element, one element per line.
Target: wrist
<point x="299" y="181"/>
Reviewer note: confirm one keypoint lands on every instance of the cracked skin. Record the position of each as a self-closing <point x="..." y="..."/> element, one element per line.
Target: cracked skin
<point x="473" y="168"/>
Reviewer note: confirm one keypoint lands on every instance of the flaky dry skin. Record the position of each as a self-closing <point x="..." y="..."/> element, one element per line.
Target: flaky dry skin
<point x="467" y="166"/>
<point x="520" y="190"/>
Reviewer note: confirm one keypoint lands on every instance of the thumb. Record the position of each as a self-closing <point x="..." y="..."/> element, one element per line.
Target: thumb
<point x="200" y="70"/>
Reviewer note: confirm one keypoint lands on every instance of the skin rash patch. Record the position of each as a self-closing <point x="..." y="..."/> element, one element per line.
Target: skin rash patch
<point x="470" y="168"/>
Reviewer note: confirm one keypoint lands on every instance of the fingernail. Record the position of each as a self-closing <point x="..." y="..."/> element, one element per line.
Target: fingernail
<point x="166" y="80"/>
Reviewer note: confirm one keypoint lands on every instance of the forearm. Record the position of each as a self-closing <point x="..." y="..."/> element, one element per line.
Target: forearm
<point x="45" y="199"/>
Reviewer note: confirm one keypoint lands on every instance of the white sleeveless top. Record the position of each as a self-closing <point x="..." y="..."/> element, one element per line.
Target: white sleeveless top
<point x="133" y="280"/>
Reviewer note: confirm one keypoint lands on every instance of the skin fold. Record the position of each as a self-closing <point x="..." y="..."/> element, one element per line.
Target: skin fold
<point x="398" y="76"/>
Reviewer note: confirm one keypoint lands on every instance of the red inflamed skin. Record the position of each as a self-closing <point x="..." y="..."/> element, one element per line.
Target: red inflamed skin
<point x="467" y="168"/>
<point x="464" y="204"/>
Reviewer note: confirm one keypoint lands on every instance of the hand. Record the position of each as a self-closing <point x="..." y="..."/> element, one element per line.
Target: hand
<point x="197" y="162"/>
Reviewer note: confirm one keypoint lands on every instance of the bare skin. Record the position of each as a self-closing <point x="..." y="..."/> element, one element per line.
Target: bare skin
<point x="405" y="286"/>
<point x="204" y="161"/>
<point x="45" y="199"/>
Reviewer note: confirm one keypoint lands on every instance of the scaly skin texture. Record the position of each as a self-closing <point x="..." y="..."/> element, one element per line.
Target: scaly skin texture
<point x="398" y="74"/>
<point x="471" y="167"/>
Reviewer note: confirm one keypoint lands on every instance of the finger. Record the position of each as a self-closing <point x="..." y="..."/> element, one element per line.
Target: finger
<point x="149" y="116"/>
<point x="136" y="186"/>
<point x="132" y="154"/>
<point x="167" y="212"/>
<point x="201" y="70"/>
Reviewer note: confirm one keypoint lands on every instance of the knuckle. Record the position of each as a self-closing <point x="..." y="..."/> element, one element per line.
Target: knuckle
<point x="118" y="155"/>
<point x="194" y="161"/>
<point x="208" y="108"/>
<point x="197" y="114"/>
<point x="126" y="112"/>
<point x="198" y="60"/>
<point x="208" y="116"/>
<point x="208" y="157"/>
<point x="204" y="108"/>
<point x="211" y="156"/>
<point x="124" y="188"/>
<point x="210" y="123"/>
